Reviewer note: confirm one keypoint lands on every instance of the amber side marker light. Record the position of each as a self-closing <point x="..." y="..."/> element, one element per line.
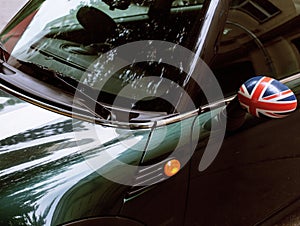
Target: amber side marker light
<point x="171" y="167"/>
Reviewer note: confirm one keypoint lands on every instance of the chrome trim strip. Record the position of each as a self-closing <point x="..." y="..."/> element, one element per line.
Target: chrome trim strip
<point x="128" y="125"/>
<point x="115" y="124"/>
<point x="146" y="125"/>
<point x="290" y="78"/>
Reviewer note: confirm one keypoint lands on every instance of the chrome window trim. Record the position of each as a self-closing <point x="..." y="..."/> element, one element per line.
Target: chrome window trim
<point x="134" y="126"/>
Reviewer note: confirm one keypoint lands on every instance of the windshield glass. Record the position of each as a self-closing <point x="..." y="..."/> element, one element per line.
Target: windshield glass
<point x="68" y="36"/>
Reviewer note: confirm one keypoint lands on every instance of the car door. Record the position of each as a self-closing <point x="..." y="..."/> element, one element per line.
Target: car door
<point x="255" y="176"/>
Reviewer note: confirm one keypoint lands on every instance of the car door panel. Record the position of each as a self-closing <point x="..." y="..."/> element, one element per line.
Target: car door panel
<point x="256" y="172"/>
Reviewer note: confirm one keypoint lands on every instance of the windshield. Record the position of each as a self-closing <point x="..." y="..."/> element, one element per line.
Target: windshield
<point x="69" y="36"/>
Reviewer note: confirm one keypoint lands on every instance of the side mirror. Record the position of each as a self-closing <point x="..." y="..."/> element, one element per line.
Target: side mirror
<point x="266" y="97"/>
<point x="261" y="97"/>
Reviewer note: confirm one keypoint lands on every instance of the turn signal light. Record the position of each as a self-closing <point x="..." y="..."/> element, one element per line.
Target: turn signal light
<point x="172" y="167"/>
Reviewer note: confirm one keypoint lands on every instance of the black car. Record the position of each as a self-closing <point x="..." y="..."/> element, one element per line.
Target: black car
<point x="150" y="112"/>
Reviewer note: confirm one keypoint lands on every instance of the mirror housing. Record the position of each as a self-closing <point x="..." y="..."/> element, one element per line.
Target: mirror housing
<point x="262" y="97"/>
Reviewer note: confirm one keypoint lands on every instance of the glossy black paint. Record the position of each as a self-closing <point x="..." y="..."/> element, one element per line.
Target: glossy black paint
<point x="254" y="180"/>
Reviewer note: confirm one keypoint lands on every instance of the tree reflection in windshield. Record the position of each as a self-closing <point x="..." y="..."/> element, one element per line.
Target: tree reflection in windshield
<point x="74" y="39"/>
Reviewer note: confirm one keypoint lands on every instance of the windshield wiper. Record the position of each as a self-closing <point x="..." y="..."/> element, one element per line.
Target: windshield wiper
<point x="46" y="89"/>
<point x="113" y="112"/>
<point x="93" y="106"/>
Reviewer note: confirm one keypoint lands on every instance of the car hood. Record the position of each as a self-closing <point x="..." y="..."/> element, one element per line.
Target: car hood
<point x="50" y="165"/>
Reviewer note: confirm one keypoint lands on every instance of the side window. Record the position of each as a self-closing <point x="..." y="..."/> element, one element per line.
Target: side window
<point x="261" y="38"/>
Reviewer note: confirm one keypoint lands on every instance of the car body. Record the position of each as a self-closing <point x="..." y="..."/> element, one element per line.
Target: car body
<point x="86" y="155"/>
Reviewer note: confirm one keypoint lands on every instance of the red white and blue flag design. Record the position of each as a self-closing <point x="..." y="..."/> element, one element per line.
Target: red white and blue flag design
<point x="264" y="96"/>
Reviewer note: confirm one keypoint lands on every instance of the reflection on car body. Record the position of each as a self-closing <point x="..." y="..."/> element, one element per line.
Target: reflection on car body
<point x="132" y="158"/>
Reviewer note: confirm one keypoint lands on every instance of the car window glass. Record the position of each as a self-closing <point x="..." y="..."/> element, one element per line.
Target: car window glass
<point x="67" y="40"/>
<point x="262" y="37"/>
